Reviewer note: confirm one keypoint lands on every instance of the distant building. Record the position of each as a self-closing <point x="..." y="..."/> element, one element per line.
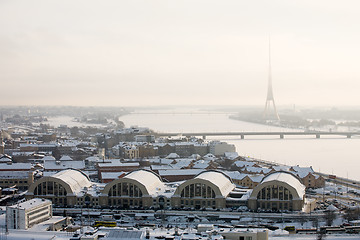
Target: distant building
<point x="37" y="147"/>
<point x="16" y="166"/>
<point x="106" y="177"/>
<point x="115" y="165"/>
<point x="245" y="180"/>
<point x="65" y="162"/>
<point x="18" y="179"/>
<point x="220" y="148"/>
<point x="308" y="177"/>
<point x="126" y="150"/>
<point x="26" y="214"/>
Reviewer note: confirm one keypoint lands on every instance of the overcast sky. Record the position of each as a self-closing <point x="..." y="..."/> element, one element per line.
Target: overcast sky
<point x="132" y="53"/>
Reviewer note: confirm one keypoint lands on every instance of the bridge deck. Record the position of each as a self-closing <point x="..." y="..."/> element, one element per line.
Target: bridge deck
<point x="347" y="134"/>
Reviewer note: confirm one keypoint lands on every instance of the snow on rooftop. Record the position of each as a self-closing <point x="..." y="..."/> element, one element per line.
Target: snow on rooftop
<point x="56" y="165"/>
<point x="236" y="175"/>
<point x="76" y="179"/>
<point x="66" y="158"/>
<point x="48" y="158"/>
<point x="112" y="175"/>
<point x="222" y="181"/>
<point x="209" y="156"/>
<point x="4" y="166"/>
<point x="172" y="156"/>
<point x="31" y="203"/>
<point x="172" y="172"/>
<point x="258" y="170"/>
<point x="182" y="163"/>
<point x="302" y="171"/>
<point x="287" y="178"/>
<point x="94" y="159"/>
<point x="231" y="155"/>
<point x="117" y="163"/>
<point x="14" y="174"/>
<point x="150" y="180"/>
<point x="242" y="164"/>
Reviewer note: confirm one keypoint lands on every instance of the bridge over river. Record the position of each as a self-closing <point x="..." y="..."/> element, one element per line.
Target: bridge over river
<point x="243" y="134"/>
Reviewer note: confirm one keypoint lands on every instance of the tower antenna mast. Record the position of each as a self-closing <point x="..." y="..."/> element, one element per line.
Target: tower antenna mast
<point x="270" y="95"/>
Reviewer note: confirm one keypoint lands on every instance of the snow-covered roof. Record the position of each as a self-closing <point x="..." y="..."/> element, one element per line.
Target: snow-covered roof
<point x="182" y="163"/>
<point x="172" y="156"/>
<point x="302" y="171"/>
<point x="172" y="172"/>
<point x="256" y="178"/>
<point x="201" y="164"/>
<point x="76" y="179"/>
<point x="14" y="174"/>
<point x="161" y="160"/>
<point x="148" y="179"/>
<point x="66" y="158"/>
<point x="32" y="203"/>
<point x="117" y="163"/>
<point x="281" y="168"/>
<point x="209" y="156"/>
<point x="195" y="156"/>
<point x="58" y="165"/>
<point x="258" y="170"/>
<point x="160" y="167"/>
<point x="220" y="179"/>
<point x="287" y="178"/>
<point x="48" y="158"/>
<point x="236" y="175"/>
<point x="231" y="155"/>
<point x="26" y="166"/>
<point x="332" y="208"/>
<point x="242" y="164"/>
<point x="112" y="175"/>
<point x="93" y="159"/>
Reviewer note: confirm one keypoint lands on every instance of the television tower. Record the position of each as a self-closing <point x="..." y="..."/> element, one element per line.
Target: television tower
<point x="268" y="114"/>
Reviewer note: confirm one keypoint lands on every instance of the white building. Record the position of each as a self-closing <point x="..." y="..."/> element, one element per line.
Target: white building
<point x="26" y="214"/>
<point x="220" y="148"/>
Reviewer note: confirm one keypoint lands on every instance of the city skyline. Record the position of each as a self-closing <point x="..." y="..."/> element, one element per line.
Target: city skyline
<point x="140" y="53"/>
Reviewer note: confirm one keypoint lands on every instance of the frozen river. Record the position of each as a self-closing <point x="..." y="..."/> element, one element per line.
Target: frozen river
<point x="335" y="155"/>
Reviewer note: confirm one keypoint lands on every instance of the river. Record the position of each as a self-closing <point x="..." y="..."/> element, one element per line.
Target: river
<point x="334" y="155"/>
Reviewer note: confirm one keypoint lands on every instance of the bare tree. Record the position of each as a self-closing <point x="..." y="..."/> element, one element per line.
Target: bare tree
<point x="315" y="222"/>
<point x="352" y="214"/>
<point x="329" y="217"/>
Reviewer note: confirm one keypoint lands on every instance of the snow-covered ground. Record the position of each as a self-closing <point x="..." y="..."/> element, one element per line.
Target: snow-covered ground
<point x="314" y="237"/>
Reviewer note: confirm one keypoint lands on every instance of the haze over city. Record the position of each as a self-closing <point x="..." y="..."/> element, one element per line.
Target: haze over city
<point x="133" y="53"/>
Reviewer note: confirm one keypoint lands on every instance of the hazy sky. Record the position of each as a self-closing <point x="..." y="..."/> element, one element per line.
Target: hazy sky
<point x="128" y="53"/>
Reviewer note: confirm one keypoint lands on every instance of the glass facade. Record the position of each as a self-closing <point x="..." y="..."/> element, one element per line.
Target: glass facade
<point x="274" y="197"/>
<point x="125" y="195"/>
<point x="52" y="191"/>
<point x="201" y="193"/>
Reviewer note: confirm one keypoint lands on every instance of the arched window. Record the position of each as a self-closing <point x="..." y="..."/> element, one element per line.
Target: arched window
<point x="197" y="190"/>
<point x="125" y="194"/>
<point x="50" y="188"/>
